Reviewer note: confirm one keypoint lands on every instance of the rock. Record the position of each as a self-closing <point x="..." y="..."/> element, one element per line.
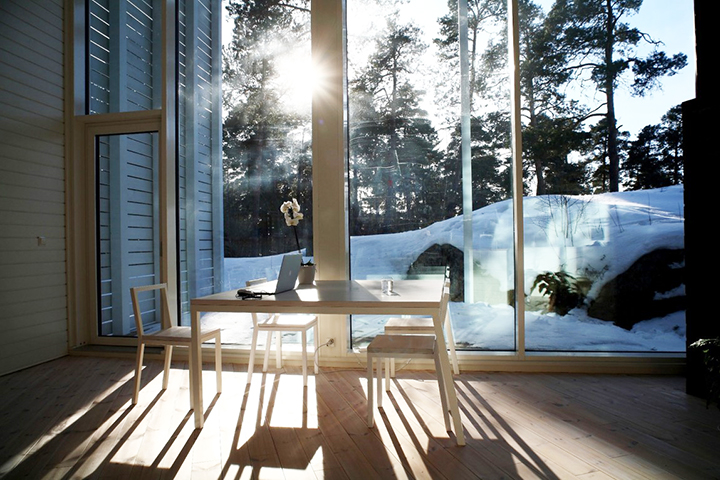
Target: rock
<point x="437" y="257"/>
<point x="630" y="297"/>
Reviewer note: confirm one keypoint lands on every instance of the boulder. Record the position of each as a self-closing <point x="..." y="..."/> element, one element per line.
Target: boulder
<point x="437" y="257"/>
<point x="632" y="296"/>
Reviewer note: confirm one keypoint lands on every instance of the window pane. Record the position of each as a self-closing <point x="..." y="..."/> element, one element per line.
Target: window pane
<point x="123" y="69"/>
<point x="127" y="227"/>
<point x="604" y="248"/>
<point x="406" y="164"/>
<point x="267" y="155"/>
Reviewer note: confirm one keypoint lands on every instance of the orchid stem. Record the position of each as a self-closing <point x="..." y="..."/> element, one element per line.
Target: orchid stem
<point x="297" y="240"/>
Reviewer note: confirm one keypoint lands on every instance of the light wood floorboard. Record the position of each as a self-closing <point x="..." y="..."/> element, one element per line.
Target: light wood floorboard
<point x="72" y="418"/>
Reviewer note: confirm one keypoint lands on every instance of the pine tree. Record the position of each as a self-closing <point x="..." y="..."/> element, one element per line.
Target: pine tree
<point x="655" y="158"/>
<point x="263" y="163"/>
<point x="392" y="144"/>
<point x="602" y="46"/>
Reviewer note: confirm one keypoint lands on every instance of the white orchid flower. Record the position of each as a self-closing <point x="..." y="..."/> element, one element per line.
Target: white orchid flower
<point x="291" y="212"/>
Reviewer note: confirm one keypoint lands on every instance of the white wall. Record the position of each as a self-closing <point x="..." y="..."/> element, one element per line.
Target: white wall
<point x="33" y="293"/>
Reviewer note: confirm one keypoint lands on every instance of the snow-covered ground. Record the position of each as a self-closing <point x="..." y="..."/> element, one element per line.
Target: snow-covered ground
<point x="599" y="236"/>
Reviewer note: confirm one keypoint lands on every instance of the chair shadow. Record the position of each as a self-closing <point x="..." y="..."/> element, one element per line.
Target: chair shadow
<point x="268" y="446"/>
<point x="526" y="455"/>
<point x="502" y="454"/>
<point x="109" y="469"/>
<point x="257" y="444"/>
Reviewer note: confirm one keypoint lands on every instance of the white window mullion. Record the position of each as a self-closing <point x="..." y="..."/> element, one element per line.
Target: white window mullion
<point x="516" y="146"/>
<point x="330" y="239"/>
<point x="466" y="153"/>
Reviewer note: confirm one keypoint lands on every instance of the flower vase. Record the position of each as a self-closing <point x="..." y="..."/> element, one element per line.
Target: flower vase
<point x="306" y="275"/>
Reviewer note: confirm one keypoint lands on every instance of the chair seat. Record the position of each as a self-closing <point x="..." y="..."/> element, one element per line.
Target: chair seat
<point x="170" y="336"/>
<point x="179" y="335"/>
<point x="288" y="322"/>
<point x="416" y="325"/>
<point x="384" y="347"/>
<point x="420" y="325"/>
<point x="402" y="345"/>
<point x="278" y="323"/>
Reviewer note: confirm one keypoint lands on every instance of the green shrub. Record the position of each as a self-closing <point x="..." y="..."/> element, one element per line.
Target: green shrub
<point x="565" y="291"/>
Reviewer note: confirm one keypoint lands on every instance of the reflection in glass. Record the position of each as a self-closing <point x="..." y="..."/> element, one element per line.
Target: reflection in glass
<point x="407" y="166"/>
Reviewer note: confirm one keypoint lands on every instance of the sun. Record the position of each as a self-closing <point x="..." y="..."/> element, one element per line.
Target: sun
<point x="297" y="80"/>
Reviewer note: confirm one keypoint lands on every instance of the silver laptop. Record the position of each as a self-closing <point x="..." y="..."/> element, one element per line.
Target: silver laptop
<point x="287" y="277"/>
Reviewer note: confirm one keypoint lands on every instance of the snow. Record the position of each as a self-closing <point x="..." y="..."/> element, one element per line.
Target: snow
<point x="599" y="236"/>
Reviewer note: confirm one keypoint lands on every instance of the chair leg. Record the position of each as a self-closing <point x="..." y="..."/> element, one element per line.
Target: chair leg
<point x="392" y="367"/>
<point x="166" y="371"/>
<point x="380" y="362"/>
<point x="268" y="341"/>
<point x="370" y="419"/>
<point x="388" y="362"/>
<point x="278" y="349"/>
<point x="218" y="362"/>
<point x="316" y="341"/>
<point x="443" y="393"/>
<point x="138" y="371"/>
<point x="304" y="357"/>
<point x="253" y="346"/>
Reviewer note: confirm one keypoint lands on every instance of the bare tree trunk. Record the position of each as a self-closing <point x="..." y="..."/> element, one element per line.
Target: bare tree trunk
<point x="613" y="155"/>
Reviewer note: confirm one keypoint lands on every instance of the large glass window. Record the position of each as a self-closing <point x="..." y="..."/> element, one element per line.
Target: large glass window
<point x="199" y="151"/>
<point x="266" y="140"/>
<point x="429" y="159"/>
<point x="429" y="169"/>
<point x="602" y="146"/>
<point x="123" y="75"/>
<point x="267" y="94"/>
<point x="429" y="162"/>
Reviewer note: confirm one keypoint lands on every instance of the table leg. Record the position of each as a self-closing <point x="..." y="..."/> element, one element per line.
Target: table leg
<point x="196" y="369"/>
<point x="370" y="400"/>
<point x="447" y="379"/>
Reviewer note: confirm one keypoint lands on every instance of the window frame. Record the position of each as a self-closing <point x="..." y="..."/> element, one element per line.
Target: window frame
<point x="331" y="241"/>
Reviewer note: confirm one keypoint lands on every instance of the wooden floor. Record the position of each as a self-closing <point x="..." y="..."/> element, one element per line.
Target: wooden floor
<point x="71" y="418"/>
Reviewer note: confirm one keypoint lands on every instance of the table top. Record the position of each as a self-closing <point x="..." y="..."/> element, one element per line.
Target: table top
<point x="335" y="296"/>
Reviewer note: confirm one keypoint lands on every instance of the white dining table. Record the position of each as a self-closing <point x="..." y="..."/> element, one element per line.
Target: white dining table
<point x="333" y="297"/>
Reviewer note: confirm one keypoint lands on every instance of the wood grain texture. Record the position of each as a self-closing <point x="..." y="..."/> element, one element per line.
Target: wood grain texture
<point x="72" y="418"/>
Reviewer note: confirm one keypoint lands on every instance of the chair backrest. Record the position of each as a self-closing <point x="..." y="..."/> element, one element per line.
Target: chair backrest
<point x="445" y="300"/>
<point x="163" y="309"/>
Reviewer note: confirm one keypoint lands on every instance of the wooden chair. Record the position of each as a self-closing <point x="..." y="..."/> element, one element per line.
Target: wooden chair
<point x="424" y="326"/>
<point x="281" y="323"/>
<point x="385" y="347"/>
<point x="169" y="336"/>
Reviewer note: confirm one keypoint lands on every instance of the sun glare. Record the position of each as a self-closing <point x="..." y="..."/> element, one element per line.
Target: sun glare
<point x="298" y="79"/>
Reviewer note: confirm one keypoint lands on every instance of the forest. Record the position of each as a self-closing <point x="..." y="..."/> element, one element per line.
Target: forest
<point x="405" y="163"/>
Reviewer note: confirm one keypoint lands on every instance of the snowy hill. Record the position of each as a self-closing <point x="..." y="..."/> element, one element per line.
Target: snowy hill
<point x="603" y="234"/>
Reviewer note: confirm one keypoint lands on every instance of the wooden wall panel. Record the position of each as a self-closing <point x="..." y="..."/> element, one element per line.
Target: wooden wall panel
<point x="33" y="291"/>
